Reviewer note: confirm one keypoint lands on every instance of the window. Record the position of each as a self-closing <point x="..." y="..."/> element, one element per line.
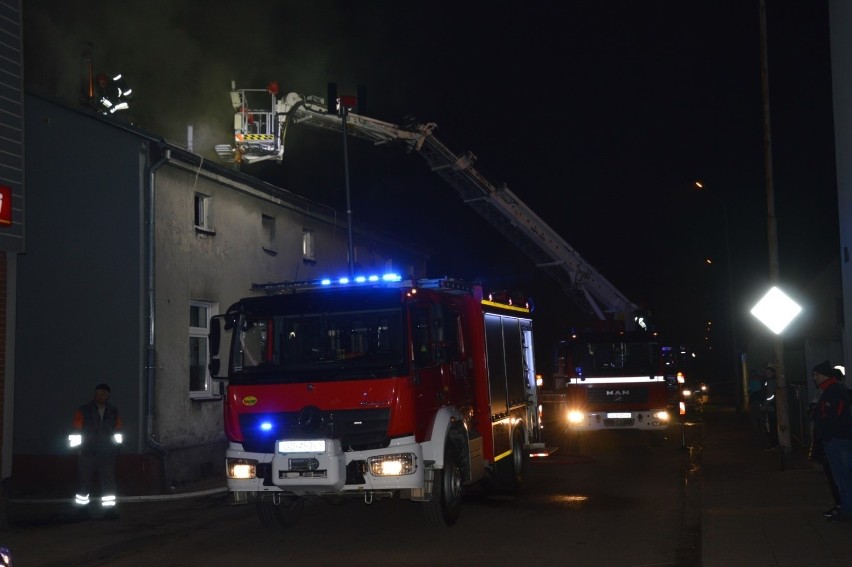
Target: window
<point x="421" y="335"/>
<point x="200" y="383"/>
<point x="308" y="245"/>
<point x="267" y="229"/>
<point x="202" y="212"/>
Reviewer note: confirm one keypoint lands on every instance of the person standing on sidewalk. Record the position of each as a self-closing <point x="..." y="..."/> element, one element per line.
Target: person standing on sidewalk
<point x="770" y="419"/>
<point x="97" y="436"/>
<point x="816" y="453"/>
<point x="755" y="400"/>
<point x="833" y="425"/>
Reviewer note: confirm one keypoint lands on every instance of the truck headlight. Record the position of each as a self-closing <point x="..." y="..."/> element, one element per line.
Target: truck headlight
<point x="393" y="465"/>
<point x="575" y="416"/>
<point x="662" y="415"/>
<point x="241" y="469"/>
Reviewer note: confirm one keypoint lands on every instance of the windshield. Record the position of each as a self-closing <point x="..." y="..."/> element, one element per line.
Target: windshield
<point x="335" y="344"/>
<point x="615" y="358"/>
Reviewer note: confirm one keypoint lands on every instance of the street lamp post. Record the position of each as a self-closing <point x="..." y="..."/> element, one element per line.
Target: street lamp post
<point x="782" y="409"/>
<point x="739" y="377"/>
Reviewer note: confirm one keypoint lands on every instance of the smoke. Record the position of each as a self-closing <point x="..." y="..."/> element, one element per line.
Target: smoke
<point x="180" y="56"/>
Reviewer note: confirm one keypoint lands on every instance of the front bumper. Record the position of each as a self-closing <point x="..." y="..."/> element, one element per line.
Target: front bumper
<point x="648" y="420"/>
<point x="331" y="471"/>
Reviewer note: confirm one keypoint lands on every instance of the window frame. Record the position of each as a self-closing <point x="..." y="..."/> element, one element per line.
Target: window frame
<point x="202" y="333"/>
<point x="202" y="206"/>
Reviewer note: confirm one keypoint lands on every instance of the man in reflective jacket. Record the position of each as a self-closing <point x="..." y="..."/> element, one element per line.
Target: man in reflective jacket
<point x="97" y="436"/>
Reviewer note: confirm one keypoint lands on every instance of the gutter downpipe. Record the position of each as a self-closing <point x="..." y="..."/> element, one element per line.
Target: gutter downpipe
<point x="150" y="351"/>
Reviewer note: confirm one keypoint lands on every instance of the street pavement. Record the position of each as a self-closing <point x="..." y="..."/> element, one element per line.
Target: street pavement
<point x="752" y="510"/>
<point x="757" y="512"/>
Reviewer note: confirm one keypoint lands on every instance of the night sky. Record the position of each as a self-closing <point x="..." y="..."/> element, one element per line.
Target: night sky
<point x="599" y="115"/>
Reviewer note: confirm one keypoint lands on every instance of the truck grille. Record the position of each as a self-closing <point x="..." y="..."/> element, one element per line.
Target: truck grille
<point x="625" y="395"/>
<point x="359" y="429"/>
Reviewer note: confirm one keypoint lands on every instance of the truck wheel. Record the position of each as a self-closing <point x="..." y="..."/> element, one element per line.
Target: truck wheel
<point x="508" y="473"/>
<point x="279" y="511"/>
<point x="513" y="471"/>
<point x="444" y="507"/>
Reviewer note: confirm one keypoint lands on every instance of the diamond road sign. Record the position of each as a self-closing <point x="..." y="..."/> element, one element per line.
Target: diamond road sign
<point x="776" y="310"/>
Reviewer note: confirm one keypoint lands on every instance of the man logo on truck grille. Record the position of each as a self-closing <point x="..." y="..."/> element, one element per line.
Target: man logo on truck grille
<point x="618" y="395"/>
<point x="310" y="419"/>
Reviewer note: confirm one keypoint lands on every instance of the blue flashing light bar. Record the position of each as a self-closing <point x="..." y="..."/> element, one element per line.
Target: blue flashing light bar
<point x="328" y="282"/>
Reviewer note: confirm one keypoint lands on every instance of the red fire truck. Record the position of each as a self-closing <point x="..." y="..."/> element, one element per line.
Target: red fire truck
<point x="613" y="380"/>
<point x="372" y="388"/>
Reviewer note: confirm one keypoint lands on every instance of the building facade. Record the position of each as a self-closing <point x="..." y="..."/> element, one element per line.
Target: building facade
<point x="133" y="244"/>
<point x="11" y="215"/>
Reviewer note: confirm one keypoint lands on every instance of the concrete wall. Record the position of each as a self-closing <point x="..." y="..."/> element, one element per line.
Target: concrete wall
<point x="840" y="20"/>
<point x="81" y="286"/>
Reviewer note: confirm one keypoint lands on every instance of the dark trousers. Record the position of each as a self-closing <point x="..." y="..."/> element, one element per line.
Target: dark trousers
<point x="88" y="467"/>
<point x="771" y="428"/>
<point x="756" y="415"/>
<point x="839" y="454"/>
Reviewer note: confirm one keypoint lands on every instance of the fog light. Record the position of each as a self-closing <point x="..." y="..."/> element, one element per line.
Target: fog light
<point x="662" y="415"/>
<point x="393" y="465"/>
<point x="242" y="469"/>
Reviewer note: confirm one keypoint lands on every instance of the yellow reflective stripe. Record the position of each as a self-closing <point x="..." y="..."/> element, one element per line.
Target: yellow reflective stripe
<point x="502" y="455"/>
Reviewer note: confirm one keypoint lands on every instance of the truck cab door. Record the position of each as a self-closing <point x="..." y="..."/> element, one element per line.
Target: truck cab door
<point x="428" y="386"/>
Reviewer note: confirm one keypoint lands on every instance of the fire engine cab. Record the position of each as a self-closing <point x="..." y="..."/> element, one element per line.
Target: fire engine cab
<point x="613" y="380"/>
<point x="374" y="387"/>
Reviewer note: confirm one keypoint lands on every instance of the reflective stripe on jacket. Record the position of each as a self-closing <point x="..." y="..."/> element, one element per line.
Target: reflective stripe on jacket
<point x="97" y="432"/>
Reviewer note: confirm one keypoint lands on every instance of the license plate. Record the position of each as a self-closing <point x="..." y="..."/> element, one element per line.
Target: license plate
<point x="618" y="415"/>
<point x="302" y="446"/>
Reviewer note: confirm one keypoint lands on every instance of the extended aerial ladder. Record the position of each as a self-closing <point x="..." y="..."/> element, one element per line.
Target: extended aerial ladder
<point x="261" y="120"/>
